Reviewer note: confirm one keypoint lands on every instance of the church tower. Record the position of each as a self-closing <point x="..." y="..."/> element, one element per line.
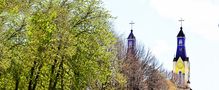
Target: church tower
<point x="181" y="64"/>
<point x="131" y="39"/>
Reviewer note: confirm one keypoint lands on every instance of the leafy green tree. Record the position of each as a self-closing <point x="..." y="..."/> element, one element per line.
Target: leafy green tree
<point x="55" y="44"/>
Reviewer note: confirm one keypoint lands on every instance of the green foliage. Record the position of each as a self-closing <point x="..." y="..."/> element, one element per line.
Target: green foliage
<point x="55" y="44"/>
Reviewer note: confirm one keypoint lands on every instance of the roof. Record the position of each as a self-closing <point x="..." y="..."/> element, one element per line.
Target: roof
<point x="184" y="59"/>
<point x="131" y="35"/>
<point x="181" y="34"/>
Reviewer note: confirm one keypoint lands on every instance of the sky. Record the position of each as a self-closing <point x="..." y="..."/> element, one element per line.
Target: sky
<point x="156" y="27"/>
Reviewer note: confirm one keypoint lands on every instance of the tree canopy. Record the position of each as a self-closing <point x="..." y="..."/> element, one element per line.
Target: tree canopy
<point x="68" y="45"/>
<point x="55" y="44"/>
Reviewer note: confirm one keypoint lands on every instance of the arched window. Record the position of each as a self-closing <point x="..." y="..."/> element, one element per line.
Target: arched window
<point x="180" y="78"/>
<point x="130" y="43"/>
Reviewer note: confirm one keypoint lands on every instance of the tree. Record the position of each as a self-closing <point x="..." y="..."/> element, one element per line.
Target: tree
<point x="55" y="44"/>
<point x="154" y="73"/>
<point x="143" y="71"/>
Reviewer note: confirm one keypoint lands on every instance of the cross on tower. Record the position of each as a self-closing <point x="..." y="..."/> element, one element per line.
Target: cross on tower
<point x="132" y="23"/>
<point x="181" y="20"/>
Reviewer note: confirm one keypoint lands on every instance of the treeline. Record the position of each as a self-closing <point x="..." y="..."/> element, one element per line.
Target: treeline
<point x="143" y="71"/>
<point x="69" y="45"/>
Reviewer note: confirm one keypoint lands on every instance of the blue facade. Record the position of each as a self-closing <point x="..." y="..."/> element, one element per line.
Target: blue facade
<point x="181" y="50"/>
<point x="131" y="40"/>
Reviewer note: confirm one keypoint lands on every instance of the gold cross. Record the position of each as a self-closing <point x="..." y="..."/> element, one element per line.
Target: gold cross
<point x="132" y="23"/>
<point x="181" y="20"/>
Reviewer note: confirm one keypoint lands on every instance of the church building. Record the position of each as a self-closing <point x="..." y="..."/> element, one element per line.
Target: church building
<point x="181" y="64"/>
<point x="131" y="41"/>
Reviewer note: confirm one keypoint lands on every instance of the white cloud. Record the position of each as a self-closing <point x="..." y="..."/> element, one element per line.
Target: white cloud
<point x="201" y="16"/>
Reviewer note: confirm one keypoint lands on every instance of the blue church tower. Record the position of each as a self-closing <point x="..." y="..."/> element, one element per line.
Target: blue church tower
<point x="131" y="40"/>
<point x="181" y="50"/>
<point x="181" y="64"/>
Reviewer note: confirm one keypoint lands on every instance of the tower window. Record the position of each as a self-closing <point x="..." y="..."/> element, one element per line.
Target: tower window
<point x="180" y="42"/>
<point x="130" y="43"/>
<point x="180" y="78"/>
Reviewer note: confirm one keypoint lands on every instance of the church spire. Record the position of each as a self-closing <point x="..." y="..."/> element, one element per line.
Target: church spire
<point x="181" y="50"/>
<point x="181" y="64"/>
<point x="181" y="34"/>
<point x="131" y="37"/>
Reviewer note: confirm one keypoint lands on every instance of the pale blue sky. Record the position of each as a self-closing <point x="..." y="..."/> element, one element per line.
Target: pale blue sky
<point x="156" y="26"/>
